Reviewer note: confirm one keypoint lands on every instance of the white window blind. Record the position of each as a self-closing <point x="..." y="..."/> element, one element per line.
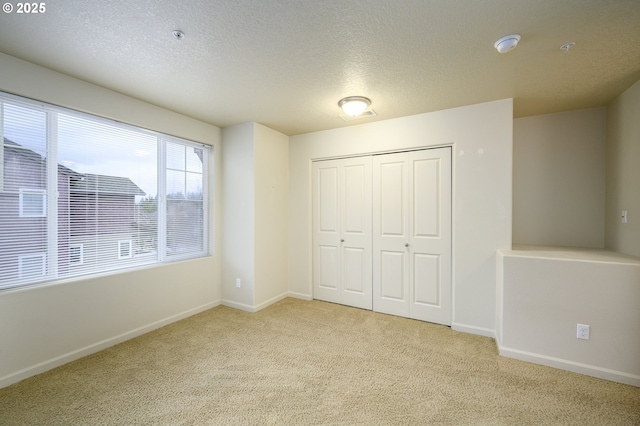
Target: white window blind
<point x="23" y="237"/>
<point x="33" y="203"/>
<point x="81" y="195"/>
<point x="105" y="172"/>
<point x="184" y="195"/>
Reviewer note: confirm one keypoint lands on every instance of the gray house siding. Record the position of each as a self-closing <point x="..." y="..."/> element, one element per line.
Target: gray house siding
<point x="93" y="210"/>
<point x="25" y="236"/>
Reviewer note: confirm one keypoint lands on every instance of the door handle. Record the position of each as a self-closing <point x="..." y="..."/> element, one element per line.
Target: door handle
<point x="406" y="244"/>
<point x="342" y="240"/>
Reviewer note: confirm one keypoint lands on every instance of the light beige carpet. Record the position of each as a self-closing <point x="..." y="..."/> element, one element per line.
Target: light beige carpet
<point x="307" y="363"/>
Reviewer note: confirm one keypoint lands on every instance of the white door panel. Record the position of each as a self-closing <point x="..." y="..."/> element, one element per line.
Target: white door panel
<point x="328" y="200"/>
<point x="426" y="198"/>
<point x="391" y="186"/>
<point x="356" y="232"/>
<point x="430" y="199"/>
<point x="412" y="234"/>
<point x="328" y="277"/>
<point x="355" y="194"/>
<point x="342" y="219"/>
<point x="326" y="216"/>
<point x="356" y="276"/>
<point x="426" y="268"/>
<point x="390" y="234"/>
<point x="354" y="263"/>
<point x="391" y="290"/>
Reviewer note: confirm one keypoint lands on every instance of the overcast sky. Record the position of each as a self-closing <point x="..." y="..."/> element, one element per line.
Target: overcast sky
<point x="93" y="147"/>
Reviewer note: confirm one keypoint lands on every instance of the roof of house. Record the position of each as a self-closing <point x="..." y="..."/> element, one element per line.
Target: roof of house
<point x="83" y="182"/>
<point x="104" y="184"/>
<point x="32" y="155"/>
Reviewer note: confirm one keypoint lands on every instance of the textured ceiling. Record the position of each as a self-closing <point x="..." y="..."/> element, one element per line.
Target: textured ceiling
<point x="286" y="63"/>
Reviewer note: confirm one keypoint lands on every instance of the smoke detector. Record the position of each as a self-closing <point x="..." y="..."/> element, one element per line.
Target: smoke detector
<point x="507" y="43"/>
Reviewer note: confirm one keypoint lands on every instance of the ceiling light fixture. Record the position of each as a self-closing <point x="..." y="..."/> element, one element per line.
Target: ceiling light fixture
<point x="354" y="105"/>
<point x="507" y="43"/>
<point x="179" y="35"/>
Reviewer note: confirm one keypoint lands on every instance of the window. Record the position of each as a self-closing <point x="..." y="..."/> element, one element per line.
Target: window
<point x="91" y="195"/>
<point x="76" y="255"/>
<point x="184" y="195"/>
<point x="32" y="265"/>
<point x="124" y="249"/>
<point x="33" y="203"/>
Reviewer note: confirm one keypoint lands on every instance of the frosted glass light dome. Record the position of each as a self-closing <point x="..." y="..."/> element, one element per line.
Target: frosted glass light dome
<point x="354" y="105"/>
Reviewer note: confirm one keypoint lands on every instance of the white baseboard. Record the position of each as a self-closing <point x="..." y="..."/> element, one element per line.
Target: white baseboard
<point x="271" y="301"/>
<point x="254" y="308"/>
<point x="576" y="367"/>
<point x="236" y="305"/>
<point x="471" y="329"/>
<point x="300" y="295"/>
<point x="98" y="346"/>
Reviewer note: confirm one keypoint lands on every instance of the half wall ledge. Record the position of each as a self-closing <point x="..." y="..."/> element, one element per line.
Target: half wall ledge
<point x="544" y="292"/>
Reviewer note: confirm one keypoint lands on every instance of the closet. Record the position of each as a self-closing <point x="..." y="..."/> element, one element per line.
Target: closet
<point x="382" y="233"/>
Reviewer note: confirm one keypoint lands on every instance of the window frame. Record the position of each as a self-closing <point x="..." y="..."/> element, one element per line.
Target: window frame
<point x="42" y="193"/>
<point x="81" y="254"/>
<point x="121" y="244"/>
<point x="23" y="257"/>
<point x="57" y="270"/>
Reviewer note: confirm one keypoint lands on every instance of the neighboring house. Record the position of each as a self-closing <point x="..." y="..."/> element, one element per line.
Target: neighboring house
<point x="102" y="219"/>
<point x="96" y="216"/>
<point x="184" y="229"/>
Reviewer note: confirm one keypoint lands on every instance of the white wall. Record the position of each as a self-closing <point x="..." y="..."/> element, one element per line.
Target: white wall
<point x="559" y="179"/>
<point x="238" y="212"/>
<point x="561" y="165"/>
<point x="45" y="326"/>
<point x="272" y="205"/>
<point x="255" y="197"/>
<point x="623" y="172"/>
<point x="546" y="293"/>
<point x="481" y="136"/>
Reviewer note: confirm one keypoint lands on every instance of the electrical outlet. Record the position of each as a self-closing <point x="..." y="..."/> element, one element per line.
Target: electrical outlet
<point x="583" y="332"/>
<point x="238" y="282"/>
<point x="624" y="216"/>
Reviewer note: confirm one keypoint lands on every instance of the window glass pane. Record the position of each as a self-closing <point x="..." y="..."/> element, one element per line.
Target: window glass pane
<point x="75" y="254"/>
<point x="194" y="186"/>
<point x="24" y="148"/>
<point x="184" y="227"/>
<point x="26" y="127"/>
<point x="32" y="203"/>
<point x="109" y="177"/>
<point x="185" y="202"/>
<point x="175" y="156"/>
<point x="175" y="184"/>
<point x="32" y="265"/>
<point x="23" y="184"/>
<point x="194" y="159"/>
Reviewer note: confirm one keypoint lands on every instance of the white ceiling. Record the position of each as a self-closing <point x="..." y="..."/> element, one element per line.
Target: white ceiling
<point x="286" y="63"/>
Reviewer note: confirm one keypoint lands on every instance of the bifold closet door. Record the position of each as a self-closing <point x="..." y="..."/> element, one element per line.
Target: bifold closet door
<point x="412" y="234"/>
<point x="342" y="227"/>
